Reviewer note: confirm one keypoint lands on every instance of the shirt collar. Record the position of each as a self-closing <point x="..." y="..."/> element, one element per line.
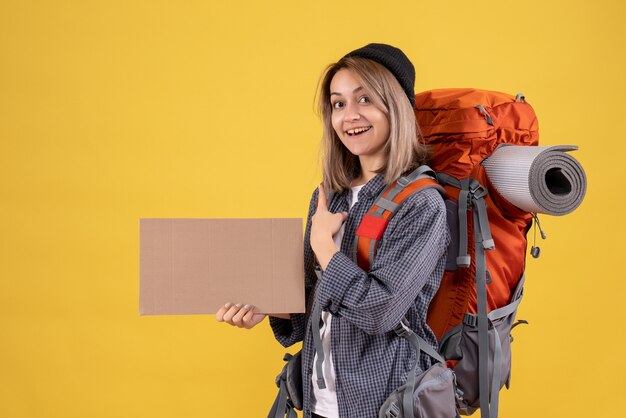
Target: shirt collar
<point x="373" y="187"/>
<point x="370" y="191"/>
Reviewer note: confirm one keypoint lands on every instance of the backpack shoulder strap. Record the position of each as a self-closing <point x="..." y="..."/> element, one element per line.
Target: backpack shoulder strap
<point x="375" y="221"/>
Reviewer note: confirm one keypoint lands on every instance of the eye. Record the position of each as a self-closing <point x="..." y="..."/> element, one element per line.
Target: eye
<point x="337" y="105"/>
<point x="364" y="99"/>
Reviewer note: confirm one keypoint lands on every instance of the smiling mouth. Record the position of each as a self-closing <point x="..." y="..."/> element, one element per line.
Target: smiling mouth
<point x="358" y="131"/>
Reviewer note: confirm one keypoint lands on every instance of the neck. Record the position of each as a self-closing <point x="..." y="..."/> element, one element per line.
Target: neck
<point x="368" y="167"/>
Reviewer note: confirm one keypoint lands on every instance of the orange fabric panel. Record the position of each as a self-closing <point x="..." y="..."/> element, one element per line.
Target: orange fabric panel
<point x="458" y="133"/>
<point x="363" y="252"/>
<point x="505" y="263"/>
<point x="450" y="302"/>
<point x="459" y="98"/>
<point x="460" y="138"/>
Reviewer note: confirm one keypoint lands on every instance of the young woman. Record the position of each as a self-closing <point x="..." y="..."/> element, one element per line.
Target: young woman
<point x="369" y="141"/>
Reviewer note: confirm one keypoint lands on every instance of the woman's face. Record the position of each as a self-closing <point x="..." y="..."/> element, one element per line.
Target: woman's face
<point x="362" y="127"/>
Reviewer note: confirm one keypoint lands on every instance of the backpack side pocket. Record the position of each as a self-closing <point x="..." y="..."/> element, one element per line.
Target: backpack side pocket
<point x="463" y="340"/>
<point x="433" y="396"/>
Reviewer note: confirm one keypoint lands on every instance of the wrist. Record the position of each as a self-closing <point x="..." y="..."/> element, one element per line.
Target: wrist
<point x="324" y="251"/>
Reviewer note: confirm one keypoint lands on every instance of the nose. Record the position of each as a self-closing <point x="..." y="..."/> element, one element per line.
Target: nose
<point x="352" y="112"/>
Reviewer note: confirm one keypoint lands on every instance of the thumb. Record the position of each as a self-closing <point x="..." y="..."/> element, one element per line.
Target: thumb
<point x="321" y="198"/>
<point x="344" y="216"/>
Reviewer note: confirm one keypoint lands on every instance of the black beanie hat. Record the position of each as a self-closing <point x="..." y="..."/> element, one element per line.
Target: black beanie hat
<point x="395" y="61"/>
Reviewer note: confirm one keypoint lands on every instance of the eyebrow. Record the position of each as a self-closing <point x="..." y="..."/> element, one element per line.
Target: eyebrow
<point x="353" y="91"/>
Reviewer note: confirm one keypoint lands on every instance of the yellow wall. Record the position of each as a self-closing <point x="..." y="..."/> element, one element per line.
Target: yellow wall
<point x="115" y="110"/>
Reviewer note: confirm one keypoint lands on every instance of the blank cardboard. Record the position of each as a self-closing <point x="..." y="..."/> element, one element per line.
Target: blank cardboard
<point x="195" y="266"/>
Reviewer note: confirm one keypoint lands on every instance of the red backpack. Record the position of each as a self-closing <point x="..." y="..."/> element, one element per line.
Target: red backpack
<point x="474" y="309"/>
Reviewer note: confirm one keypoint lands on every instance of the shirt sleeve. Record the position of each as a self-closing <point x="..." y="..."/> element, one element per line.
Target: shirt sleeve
<point x="290" y="331"/>
<point x="413" y="244"/>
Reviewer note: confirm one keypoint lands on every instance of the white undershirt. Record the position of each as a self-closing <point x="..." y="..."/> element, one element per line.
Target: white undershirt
<point x="324" y="401"/>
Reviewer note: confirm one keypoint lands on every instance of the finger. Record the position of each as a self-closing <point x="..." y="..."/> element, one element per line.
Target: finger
<point x="238" y="318"/>
<point x="251" y="319"/>
<point x="248" y="316"/>
<point x="256" y="319"/>
<point x="228" y="316"/>
<point x="344" y="216"/>
<point x="321" y="197"/>
<point x="219" y="315"/>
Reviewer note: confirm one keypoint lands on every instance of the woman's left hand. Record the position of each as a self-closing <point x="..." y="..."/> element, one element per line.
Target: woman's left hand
<point x="324" y="225"/>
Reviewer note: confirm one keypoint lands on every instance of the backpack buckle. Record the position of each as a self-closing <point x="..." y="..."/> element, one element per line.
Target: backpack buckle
<point x="402" y="329"/>
<point x="477" y="190"/>
<point x="463" y="261"/>
<point x="470" y="320"/>
<point x="393" y="411"/>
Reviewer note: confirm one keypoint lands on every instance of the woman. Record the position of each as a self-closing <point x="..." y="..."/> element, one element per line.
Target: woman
<point x="369" y="141"/>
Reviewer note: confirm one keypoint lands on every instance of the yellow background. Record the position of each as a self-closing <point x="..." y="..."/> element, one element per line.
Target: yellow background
<point x="115" y="110"/>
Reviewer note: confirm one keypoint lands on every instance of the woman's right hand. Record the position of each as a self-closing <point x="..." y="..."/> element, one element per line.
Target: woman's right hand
<point x="239" y="315"/>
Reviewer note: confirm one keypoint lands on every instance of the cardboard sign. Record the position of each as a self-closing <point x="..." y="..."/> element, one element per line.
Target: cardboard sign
<point x="195" y="266"/>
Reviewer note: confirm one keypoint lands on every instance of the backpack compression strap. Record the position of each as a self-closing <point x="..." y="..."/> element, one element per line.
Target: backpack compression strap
<point x="419" y="345"/>
<point x="375" y="221"/>
<point x="472" y="195"/>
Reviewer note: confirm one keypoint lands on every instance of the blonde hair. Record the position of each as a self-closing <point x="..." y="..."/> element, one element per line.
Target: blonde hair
<point x="404" y="149"/>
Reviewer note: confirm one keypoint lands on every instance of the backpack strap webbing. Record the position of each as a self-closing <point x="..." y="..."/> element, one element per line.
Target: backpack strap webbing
<point x="316" y="319"/>
<point x="419" y="345"/>
<point x="282" y="406"/>
<point x="471" y="200"/>
<point x="483" y="241"/>
<point x="375" y="221"/>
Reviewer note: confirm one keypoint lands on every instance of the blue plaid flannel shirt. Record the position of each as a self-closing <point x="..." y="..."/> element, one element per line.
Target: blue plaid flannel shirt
<point x="370" y="360"/>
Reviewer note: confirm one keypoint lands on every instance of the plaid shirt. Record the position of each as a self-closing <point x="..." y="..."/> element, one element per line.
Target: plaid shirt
<point x="370" y="360"/>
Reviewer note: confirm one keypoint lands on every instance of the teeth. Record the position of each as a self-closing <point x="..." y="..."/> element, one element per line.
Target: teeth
<point x="358" y="130"/>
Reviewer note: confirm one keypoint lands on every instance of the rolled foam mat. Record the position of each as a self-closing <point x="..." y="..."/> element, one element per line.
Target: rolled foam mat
<point x="538" y="179"/>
